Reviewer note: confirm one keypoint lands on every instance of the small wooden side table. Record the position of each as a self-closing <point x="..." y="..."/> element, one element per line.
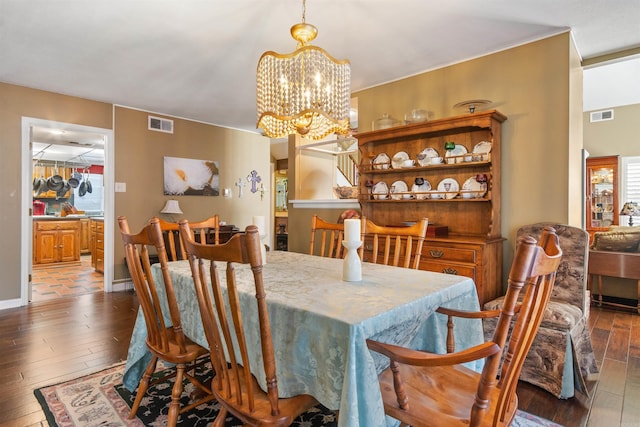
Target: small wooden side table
<point x="625" y="265"/>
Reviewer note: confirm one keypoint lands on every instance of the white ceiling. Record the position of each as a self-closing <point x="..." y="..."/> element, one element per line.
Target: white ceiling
<point x="197" y="59"/>
<point x="74" y="149"/>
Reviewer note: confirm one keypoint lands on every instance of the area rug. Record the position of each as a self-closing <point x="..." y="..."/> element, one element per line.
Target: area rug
<point x="100" y="399"/>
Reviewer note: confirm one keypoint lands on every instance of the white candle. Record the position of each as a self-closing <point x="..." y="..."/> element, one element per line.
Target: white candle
<point x="260" y="222"/>
<point x="352" y="230"/>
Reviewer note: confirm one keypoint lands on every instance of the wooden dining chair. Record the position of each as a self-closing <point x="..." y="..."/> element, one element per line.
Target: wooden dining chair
<point x="175" y="249"/>
<point x="326" y="238"/>
<point x="425" y="389"/>
<point x="165" y="342"/>
<point x="397" y="246"/>
<point x="234" y="385"/>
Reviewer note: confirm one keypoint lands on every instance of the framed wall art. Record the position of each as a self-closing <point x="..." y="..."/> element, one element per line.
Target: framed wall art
<point x="191" y="177"/>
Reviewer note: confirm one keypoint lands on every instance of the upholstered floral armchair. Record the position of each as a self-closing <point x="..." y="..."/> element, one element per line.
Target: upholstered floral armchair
<point x="561" y="358"/>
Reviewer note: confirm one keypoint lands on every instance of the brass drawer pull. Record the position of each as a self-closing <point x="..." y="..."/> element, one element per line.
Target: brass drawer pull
<point x="450" y="270"/>
<point x="436" y="254"/>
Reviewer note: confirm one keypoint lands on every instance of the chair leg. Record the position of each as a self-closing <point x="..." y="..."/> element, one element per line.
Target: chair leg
<point x="220" y="419"/>
<point x="176" y="393"/>
<point x="143" y="386"/>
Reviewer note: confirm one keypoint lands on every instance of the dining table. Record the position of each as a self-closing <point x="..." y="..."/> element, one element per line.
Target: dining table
<point x="320" y="324"/>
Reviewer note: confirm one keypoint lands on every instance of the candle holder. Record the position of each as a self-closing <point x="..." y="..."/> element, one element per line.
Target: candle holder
<point x="351" y="266"/>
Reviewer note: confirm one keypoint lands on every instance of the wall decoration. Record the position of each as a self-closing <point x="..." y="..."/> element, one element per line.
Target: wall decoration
<point x="191" y="177"/>
<point x="254" y="179"/>
<point x="240" y="184"/>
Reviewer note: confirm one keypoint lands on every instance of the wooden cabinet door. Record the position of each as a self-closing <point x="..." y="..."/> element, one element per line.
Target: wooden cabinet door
<point x="46" y="248"/>
<point x="68" y="249"/>
<point x="84" y="236"/>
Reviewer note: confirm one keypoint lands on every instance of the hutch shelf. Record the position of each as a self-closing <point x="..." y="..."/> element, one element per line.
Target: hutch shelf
<point x="473" y="246"/>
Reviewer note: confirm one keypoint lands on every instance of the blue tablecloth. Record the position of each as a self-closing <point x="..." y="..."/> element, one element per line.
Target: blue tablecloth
<point x="320" y="325"/>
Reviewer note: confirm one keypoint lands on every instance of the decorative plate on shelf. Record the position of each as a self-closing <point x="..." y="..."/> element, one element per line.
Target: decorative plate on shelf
<point x="399" y="190"/>
<point x="482" y="148"/>
<point x="449" y="187"/>
<point x="473" y="105"/>
<point x="421" y="192"/>
<point x="380" y="191"/>
<point x="458" y="151"/>
<point x="381" y="161"/>
<point x="472" y="189"/>
<point x="398" y="159"/>
<point x="424" y="157"/>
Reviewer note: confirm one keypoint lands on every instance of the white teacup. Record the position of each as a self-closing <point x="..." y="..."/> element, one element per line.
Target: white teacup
<point x="468" y="158"/>
<point x="408" y="163"/>
<point x="436" y="160"/>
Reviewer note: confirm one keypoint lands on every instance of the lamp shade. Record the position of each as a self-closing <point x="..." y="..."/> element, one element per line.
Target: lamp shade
<point x="171" y="207"/>
<point x="630" y="209"/>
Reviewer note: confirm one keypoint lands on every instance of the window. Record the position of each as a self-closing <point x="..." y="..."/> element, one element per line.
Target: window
<point x="630" y="184"/>
<point x="92" y="203"/>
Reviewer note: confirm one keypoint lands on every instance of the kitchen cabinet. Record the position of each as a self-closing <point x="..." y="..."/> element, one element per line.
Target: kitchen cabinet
<point x="460" y="191"/>
<point x="85" y="236"/>
<point x="56" y="241"/>
<point x="602" y="208"/>
<point x="97" y="244"/>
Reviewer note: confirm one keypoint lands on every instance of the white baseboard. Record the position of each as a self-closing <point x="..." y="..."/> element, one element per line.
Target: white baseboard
<point x="123" y="285"/>
<point x="10" y="303"/>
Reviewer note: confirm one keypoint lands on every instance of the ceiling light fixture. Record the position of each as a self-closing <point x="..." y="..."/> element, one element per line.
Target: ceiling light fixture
<point x="305" y="92"/>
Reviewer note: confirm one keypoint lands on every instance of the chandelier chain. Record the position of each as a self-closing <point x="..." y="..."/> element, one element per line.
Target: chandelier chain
<point x="304" y="10"/>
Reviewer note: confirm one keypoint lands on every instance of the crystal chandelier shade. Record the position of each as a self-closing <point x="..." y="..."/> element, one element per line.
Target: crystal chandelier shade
<point x="305" y="92"/>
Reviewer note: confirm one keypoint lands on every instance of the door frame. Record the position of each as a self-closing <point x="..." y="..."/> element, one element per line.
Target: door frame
<point x="26" y="233"/>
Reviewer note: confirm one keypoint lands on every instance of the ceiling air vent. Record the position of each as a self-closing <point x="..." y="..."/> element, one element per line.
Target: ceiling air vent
<point x="601" y="116"/>
<point x="161" y="125"/>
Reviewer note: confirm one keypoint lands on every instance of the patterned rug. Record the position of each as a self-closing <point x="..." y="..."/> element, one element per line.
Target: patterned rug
<point x="101" y="400"/>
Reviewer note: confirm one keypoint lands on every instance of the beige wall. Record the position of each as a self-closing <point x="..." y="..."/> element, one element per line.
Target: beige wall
<point x="618" y="136"/>
<point x="538" y="87"/>
<point x="17" y="102"/>
<point x="139" y="156"/>
<point x="138" y="163"/>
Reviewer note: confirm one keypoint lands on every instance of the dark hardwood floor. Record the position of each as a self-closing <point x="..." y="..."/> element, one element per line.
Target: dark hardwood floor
<point x="53" y="341"/>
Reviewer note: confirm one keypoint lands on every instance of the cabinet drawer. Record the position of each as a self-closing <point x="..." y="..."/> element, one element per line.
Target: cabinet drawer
<point x="99" y="227"/>
<point x="99" y="241"/>
<point x="430" y="252"/>
<point x="57" y="225"/>
<point x="449" y="268"/>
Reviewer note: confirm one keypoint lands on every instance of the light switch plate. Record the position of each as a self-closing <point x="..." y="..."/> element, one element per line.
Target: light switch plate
<point x="121" y="187"/>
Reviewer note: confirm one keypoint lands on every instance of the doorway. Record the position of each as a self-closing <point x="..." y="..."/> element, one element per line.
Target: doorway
<point x="30" y="127"/>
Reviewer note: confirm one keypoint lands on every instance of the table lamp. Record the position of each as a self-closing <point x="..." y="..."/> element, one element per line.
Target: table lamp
<point x="630" y="209"/>
<point x="172" y="208"/>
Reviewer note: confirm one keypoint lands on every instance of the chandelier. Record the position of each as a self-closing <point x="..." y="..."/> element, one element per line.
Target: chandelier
<point x="305" y="92"/>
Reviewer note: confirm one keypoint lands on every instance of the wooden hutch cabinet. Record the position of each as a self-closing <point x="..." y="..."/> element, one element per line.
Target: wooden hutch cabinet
<point x="473" y="245"/>
<point x="602" y="193"/>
